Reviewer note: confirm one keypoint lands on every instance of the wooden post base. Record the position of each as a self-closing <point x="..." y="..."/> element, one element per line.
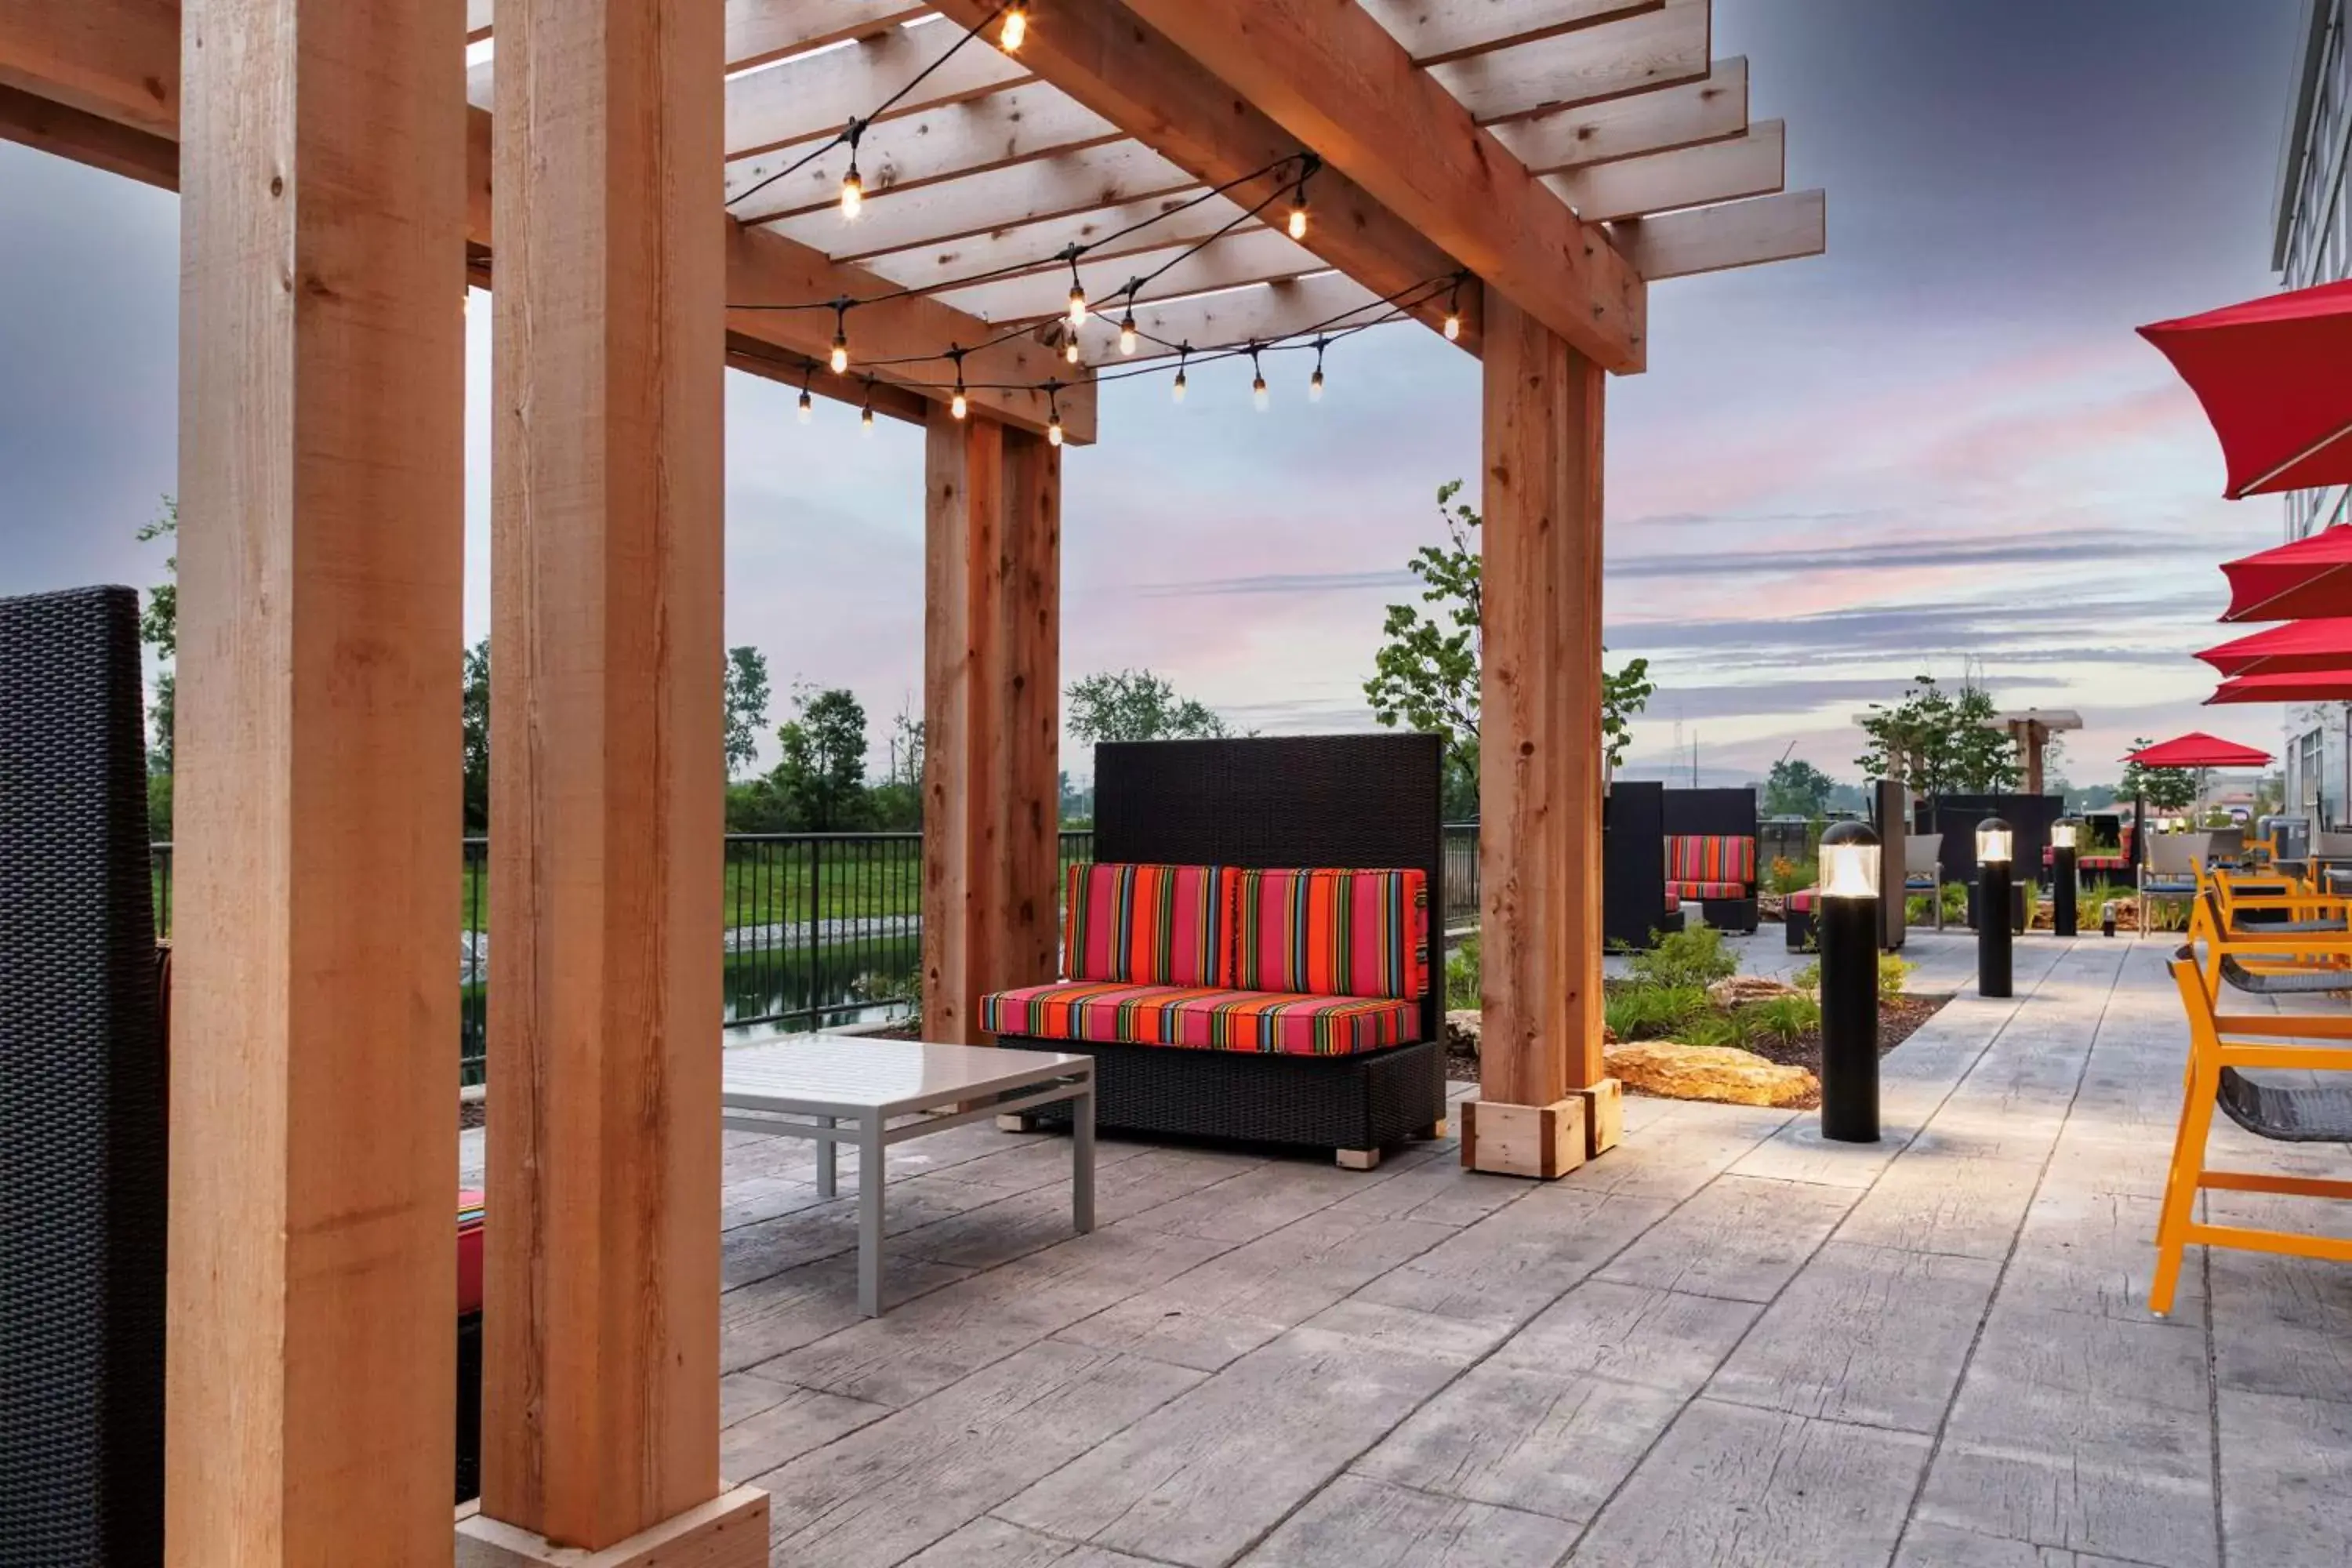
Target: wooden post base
<point x="730" y="1531"/>
<point x="1604" y="1116"/>
<point x="1539" y="1140"/>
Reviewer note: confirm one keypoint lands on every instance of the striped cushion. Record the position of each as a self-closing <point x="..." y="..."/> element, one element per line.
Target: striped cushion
<point x="1710" y="857"/>
<point x="1153" y="925"/>
<point x="1706" y="890"/>
<point x="1325" y="932"/>
<point x="469" y="1252"/>
<point x="1800" y="903"/>
<point x="1202" y="1018"/>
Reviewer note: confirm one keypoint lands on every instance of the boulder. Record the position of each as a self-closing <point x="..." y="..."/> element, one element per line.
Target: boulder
<point x="1722" y="1073"/>
<point x="1462" y="1029"/>
<point x="1741" y="989"/>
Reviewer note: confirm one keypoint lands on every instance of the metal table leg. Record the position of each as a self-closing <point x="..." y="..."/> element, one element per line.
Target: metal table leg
<point x="1082" y="1158"/>
<point x="824" y="1159"/>
<point x="869" y="1213"/>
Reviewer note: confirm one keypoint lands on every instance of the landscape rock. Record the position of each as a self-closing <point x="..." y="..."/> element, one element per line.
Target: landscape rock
<point x="1462" y="1029"/>
<point x="1723" y="1073"/>
<point x="1741" y="989"/>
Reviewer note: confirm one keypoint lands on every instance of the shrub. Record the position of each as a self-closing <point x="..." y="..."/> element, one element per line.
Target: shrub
<point x="1641" y="1012"/>
<point x="1785" y="1018"/>
<point x="1786" y="876"/>
<point x="1694" y="956"/>
<point x="1894" y="973"/>
<point x="1808" y="978"/>
<point x="1461" y="976"/>
<point x="1720" y="1029"/>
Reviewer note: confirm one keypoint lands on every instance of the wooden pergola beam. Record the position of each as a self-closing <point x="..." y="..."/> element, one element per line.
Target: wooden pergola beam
<point x="48" y="126"/>
<point x="763" y="30"/>
<point x="103" y="51"/>
<point x="1337" y="81"/>
<point x="1435" y="32"/>
<point x="1127" y="69"/>
<point x="1260" y="255"/>
<point x="1736" y="234"/>
<point x="1657" y="48"/>
<point x="1234" y="316"/>
<point x="1753" y="164"/>
<point x="1689" y="115"/>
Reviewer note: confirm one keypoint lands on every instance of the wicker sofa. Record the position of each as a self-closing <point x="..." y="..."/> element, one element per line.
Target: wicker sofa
<point x="1249" y="957"/>
<point x="1711" y="859"/>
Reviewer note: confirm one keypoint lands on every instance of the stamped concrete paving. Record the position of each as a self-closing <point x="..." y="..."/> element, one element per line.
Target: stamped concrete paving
<point x="1723" y="1343"/>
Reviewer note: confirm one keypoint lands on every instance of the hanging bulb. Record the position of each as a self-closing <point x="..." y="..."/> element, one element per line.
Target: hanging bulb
<point x="1315" y="386"/>
<point x="840" y="359"/>
<point x="1070" y="348"/>
<point x="866" y="419"/>
<point x="1127" y="334"/>
<point x="1452" y="326"/>
<point x="1016" y="27"/>
<point x="808" y="409"/>
<point x="1176" y="392"/>
<point x="853" y="193"/>
<point x="1299" y="215"/>
<point x="958" y="406"/>
<point x="1078" y="306"/>
<point x="1054" y="429"/>
<point x="1259" y="395"/>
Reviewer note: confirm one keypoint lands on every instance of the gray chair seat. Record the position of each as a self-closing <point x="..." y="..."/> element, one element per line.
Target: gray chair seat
<point x="2288" y="928"/>
<point x="2286" y="1113"/>
<point x="2283" y="982"/>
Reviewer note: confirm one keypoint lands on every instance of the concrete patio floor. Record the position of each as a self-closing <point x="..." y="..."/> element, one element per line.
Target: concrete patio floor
<point x="1722" y="1344"/>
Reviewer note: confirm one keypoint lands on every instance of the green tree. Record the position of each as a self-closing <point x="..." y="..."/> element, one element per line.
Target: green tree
<point x="1426" y="673"/>
<point x="747" y="706"/>
<point x="1137" y="705"/>
<point x="897" y="800"/>
<point x="1797" y="788"/>
<point x="1940" y="743"/>
<point x="159" y="627"/>
<point x="822" y="774"/>
<point x="476" y="737"/>
<point x="2166" y="789"/>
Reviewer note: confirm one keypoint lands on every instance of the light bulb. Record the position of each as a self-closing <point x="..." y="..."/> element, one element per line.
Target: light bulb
<point x="1176" y="392"/>
<point x="1016" y="27"/>
<point x="1258" y="395"/>
<point x="808" y="409"/>
<point x="958" y="407"/>
<point x="1127" y="334"/>
<point x="1298" y="218"/>
<point x="1077" y="307"/>
<point x="1452" y="325"/>
<point x="1315" y="386"/>
<point x="1070" y="350"/>
<point x="840" y="359"/>
<point x="1054" y="429"/>
<point x="866" y="419"/>
<point x="853" y="193"/>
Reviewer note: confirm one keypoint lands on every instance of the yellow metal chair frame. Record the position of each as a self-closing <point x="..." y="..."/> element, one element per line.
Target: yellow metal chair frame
<point x="2217" y="1041"/>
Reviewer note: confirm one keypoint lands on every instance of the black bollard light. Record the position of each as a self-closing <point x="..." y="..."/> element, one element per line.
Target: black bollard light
<point x="1994" y="840"/>
<point x="2064" y="890"/>
<point x="1846" y="918"/>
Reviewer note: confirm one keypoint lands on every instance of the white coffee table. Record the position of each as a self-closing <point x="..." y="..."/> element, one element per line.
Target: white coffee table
<point x="847" y="1088"/>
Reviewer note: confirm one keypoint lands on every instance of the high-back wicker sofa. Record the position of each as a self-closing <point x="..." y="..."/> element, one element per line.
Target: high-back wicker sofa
<point x="1358" y="1066"/>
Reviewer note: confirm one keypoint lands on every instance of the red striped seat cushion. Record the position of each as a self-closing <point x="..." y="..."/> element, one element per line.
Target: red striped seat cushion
<point x="1716" y="857"/>
<point x="1706" y="890"/>
<point x="469" y="1252"/>
<point x="1149" y="925"/>
<point x="1326" y="933"/>
<point x="1202" y="1018"/>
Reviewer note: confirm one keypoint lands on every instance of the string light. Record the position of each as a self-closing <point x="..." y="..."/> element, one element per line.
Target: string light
<point x="1315" y="383"/>
<point x="1078" y="297"/>
<point x="808" y="409"/>
<point x="1454" y="312"/>
<point x="1070" y="348"/>
<point x="1257" y="383"/>
<point x="1126" y="333"/>
<point x="853" y="189"/>
<point x="866" y="414"/>
<point x="1016" y="27"/>
<point x="840" y="359"/>
<point x="1183" y="352"/>
<point x="960" y="406"/>
<point x="1308" y="164"/>
<point x="1054" y="402"/>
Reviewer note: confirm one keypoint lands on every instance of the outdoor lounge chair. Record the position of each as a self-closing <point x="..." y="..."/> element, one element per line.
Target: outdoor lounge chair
<point x="2265" y="962"/>
<point x="2281" y="908"/>
<point x="1923" y="871"/>
<point x="2222" y="1050"/>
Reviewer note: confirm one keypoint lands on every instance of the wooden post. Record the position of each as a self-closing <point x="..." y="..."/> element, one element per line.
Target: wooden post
<point x="1545" y="1102"/>
<point x="311" y="1352"/>
<point x="600" y="1430"/>
<point x="992" y="717"/>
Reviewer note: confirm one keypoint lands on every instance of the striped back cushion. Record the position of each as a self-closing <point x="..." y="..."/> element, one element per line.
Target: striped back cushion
<point x="1326" y="933"/>
<point x="1710" y="857"/>
<point x="1153" y="925"/>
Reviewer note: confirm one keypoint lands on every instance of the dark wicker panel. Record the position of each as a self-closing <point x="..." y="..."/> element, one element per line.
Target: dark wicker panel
<point x="469" y="1407"/>
<point x="1719" y="811"/>
<point x="1634" y="865"/>
<point x="81" y="1093"/>
<point x="1324" y="1102"/>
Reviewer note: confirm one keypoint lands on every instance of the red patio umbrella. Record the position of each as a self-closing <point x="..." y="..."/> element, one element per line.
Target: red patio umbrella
<point x="2313" y="686"/>
<point x="2308" y="580"/>
<point x="2199" y="750"/>
<point x="2271" y="376"/>
<point x="2297" y="647"/>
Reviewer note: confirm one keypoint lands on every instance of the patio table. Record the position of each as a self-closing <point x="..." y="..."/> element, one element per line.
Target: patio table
<point x="837" y="1089"/>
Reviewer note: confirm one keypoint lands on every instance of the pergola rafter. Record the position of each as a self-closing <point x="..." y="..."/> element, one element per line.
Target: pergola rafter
<point x="1514" y="172"/>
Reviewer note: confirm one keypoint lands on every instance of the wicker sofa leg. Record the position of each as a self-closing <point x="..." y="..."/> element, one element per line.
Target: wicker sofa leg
<point x="1016" y="1121"/>
<point x="1359" y="1158"/>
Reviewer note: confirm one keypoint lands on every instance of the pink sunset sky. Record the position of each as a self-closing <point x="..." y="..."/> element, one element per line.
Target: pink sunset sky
<point x="1940" y="444"/>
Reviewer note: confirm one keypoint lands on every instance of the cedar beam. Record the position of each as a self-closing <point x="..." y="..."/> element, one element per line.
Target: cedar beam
<point x="992" y="717"/>
<point x="1736" y="234"/>
<point x="310" y="1412"/>
<point x="1120" y="64"/>
<point x="600" y="1408"/>
<point x="1335" y="80"/>
<point x="48" y="126"/>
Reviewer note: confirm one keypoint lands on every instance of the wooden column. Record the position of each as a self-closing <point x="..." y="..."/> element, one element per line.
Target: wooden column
<point x="600" y="1427"/>
<point x="1545" y="1103"/>
<point x="992" y="717"/>
<point x="311" y="1361"/>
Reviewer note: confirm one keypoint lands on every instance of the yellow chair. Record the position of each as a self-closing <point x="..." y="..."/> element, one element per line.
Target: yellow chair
<point x="2220" y="1048"/>
<point x="2266" y="959"/>
<point x="2278" y="905"/>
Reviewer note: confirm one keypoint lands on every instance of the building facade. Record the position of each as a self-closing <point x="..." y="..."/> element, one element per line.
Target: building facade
<point x="2312" y="244"/>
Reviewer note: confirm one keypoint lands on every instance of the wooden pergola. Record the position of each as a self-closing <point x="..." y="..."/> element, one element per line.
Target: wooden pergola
<point x="1524" y="167"/>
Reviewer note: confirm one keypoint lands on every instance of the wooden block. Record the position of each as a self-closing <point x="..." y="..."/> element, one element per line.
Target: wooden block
<point x="1604" y="1116"/>
<point x="1359" y="1158"/>
<point x="728" y="1531"/>
<point x="1540" y="1141"/>
<point x="1015" y="1122"/>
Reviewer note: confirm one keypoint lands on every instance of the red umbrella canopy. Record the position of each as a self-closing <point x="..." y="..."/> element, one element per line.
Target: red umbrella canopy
<point x="2271" y="376"/>
<point x="2199" y="750"/>
<point x="2308" y="580"/>
<point x="2316" y="685"/>
<point x="2297" y="648"/>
